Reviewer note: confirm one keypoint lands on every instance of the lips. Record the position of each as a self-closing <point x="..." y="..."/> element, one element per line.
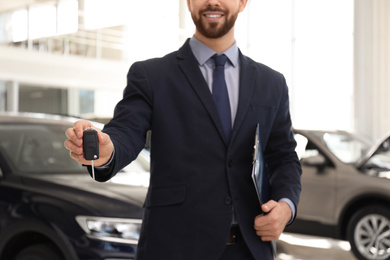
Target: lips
<point x="213" y="16"/>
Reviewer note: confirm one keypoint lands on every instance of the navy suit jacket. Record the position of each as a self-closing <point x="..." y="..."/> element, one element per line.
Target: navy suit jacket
<point x="197" y="175"/>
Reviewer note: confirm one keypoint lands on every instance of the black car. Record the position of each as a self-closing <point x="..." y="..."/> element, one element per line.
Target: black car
<point x="50" y="208"/>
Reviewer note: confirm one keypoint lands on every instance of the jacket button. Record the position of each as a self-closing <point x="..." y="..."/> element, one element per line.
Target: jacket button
<point x="228" y="200"/>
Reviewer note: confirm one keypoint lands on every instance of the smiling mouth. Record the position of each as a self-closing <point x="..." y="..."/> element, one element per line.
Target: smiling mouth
<point x="213" y="15"/>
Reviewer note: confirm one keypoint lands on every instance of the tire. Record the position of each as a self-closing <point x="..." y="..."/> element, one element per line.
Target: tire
<point x="368" y="232"/>
<point x="39" y="252"/>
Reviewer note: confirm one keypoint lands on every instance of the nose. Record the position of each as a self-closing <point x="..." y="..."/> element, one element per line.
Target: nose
<point x="214" y="3"/>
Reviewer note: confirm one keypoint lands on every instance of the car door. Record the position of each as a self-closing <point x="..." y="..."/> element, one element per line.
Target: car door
<point x="318" y="183"/>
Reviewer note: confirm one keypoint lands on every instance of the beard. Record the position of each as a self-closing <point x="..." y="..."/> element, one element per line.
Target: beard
<point x="214" y="29"/>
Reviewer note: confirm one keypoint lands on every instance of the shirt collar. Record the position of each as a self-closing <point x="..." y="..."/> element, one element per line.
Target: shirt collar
<point x="203" y="53"/>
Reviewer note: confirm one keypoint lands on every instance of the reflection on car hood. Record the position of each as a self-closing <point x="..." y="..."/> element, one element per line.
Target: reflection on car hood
<point x="114" y="197"/>
<point x="373" y="150"/>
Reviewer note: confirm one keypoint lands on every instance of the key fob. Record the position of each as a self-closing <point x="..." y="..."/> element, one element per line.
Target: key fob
<point x="90" y="145"/>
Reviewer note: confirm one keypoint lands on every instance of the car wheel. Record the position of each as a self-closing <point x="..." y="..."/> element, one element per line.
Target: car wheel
<point x="369" y="233"/>
<point x="39" y="252"/>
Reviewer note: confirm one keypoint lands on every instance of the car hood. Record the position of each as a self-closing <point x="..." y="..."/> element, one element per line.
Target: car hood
<point x="382" y="143"/>
<point x="116" y="198"/>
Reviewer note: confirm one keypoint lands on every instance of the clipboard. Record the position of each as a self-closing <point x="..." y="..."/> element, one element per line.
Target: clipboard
<point x="260" y="177"/>
<point x="259" y="171"/>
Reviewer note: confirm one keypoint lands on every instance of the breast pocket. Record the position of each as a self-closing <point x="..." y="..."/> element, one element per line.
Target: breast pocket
<point x="165" y="196"/>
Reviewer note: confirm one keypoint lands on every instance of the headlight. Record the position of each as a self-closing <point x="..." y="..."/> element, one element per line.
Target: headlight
<point x="120" y="230"/>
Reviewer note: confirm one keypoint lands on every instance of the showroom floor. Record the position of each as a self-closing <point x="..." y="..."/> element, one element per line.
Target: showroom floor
<point x="300" y="247"/>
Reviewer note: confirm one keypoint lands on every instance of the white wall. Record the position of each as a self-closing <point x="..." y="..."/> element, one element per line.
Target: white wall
<point x="311" y="43"/>
<point x="372" y="67"/>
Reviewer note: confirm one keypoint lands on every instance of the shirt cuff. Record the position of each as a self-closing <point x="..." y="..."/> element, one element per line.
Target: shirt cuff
<point x="292" y="207"/>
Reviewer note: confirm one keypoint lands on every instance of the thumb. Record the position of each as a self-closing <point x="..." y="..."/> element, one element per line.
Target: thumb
<point x="267" y="207"/>
<point x="104" y="138"/>
<point x="101" y="137"/>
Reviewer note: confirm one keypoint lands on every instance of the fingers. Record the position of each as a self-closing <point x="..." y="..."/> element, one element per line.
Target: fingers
<point x="80" y="126"/>
<point x="74" y="143"/>
<point x="75" y="134"/>
<point x="269" y="227"/>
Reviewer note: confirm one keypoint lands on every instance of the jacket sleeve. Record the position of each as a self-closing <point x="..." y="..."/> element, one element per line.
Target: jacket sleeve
<point x="130" y="123"/>
<point x="282" y="161"/>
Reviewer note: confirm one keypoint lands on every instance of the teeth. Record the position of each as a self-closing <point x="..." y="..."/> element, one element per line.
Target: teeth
<point x="214" y="15"/>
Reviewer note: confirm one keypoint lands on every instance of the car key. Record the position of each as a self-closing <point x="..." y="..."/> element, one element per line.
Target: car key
<point x="91" y="146"/>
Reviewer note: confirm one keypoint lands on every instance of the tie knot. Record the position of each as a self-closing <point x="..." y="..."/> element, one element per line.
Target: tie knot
<point x="220" y="60"/>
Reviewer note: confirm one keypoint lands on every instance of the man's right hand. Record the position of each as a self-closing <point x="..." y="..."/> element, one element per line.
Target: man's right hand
<point x="74" y="143"/>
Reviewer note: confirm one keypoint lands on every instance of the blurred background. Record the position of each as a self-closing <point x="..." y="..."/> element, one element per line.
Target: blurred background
<point x="71" y="56"/>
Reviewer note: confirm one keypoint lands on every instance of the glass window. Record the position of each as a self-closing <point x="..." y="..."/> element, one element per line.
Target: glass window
<point x="301" y="145"/>
<point x="305" y="148"/>
<point x="19" y="26"/>
<point x="113" y="11"/>
<point x="42" y="21"/>
<point x="43" y="100"/>
<point x="3" y="97"/>
<point x="37" y="148"/>
<point x="68" y="17"/>
<point x="348" y="148"/>
<point x="5" y="27"/>
<point x="87" y="101"/>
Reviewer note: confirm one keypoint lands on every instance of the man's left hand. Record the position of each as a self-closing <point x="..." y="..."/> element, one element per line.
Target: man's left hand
<point x="270" y="226"/>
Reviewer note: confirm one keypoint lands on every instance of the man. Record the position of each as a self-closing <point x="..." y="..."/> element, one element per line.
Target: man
<point x="201" y="202"/>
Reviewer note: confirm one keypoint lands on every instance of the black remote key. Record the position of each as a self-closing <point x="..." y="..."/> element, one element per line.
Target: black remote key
<point x="90" y="145"/>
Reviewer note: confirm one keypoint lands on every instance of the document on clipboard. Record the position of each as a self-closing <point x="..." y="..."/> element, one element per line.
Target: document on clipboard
<point x="259" y="171"/>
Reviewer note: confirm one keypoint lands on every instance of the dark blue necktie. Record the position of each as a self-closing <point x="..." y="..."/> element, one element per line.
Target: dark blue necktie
<point x="220" y="94"/>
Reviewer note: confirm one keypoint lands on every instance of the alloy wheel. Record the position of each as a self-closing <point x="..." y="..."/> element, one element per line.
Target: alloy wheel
<point x="370" y="234"/>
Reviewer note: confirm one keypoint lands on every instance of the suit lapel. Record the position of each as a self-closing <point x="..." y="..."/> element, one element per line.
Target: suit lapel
<point x="247" y="83"/>
<point x="194" y="76"/>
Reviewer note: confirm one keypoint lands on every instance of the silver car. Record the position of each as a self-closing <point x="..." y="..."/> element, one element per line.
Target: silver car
<point x="345" y="190"/>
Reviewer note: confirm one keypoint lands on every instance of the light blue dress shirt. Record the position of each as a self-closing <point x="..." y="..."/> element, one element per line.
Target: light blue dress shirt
<point x="232" y="70"/>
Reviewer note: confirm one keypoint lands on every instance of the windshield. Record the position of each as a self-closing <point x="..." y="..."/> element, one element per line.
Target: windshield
<point x="347" y="147"/>
<point x="36" y="148"/>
